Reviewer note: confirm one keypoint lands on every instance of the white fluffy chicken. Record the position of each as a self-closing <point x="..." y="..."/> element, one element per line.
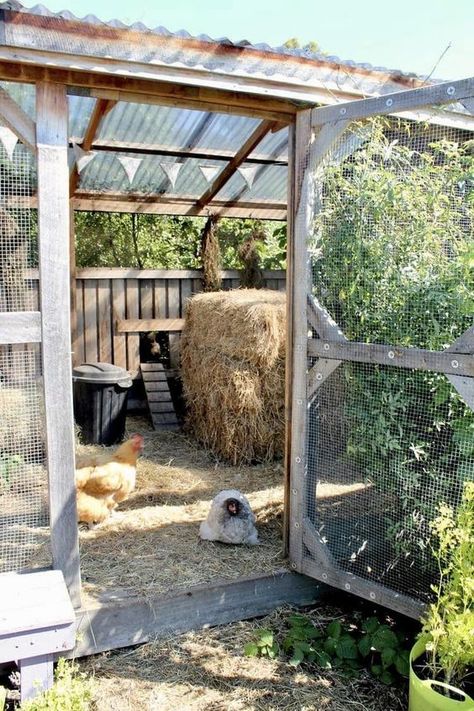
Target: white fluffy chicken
<point x="230" y="520"/>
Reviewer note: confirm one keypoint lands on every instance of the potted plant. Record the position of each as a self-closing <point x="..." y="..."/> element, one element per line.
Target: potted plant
<point x="442" y="660"/>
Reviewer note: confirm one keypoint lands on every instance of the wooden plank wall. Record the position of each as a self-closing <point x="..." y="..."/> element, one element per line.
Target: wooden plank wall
<point x="107" y="295"/>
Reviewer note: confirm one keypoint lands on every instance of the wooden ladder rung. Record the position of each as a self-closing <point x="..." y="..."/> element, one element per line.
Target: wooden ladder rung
<point x="160" y="402"/>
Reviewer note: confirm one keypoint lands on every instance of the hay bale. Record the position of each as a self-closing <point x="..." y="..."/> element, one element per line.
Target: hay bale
<point x="233" y="372"/>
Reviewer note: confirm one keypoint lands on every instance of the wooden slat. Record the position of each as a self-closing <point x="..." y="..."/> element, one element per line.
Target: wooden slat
<point x="79" y="355"/>
<point x="152" y="386"/>
<point x="20" y="327"/>
<point x="133" y="341"/>
<point x="223" y="178"/>
<point x="122" y="621"/>
<point x="440" y="362"/>
<point x="91" y="341"/>
<point x="413" y="99"/>
<point x="53" y="225"/>
<point x="152" y="324"/>
<point x="146" y="299"/>
<point x="17" y="121"/>
<point x="104" y="315"/>
<point x="185" y="286"/>
<point x="118" y="312"/>
<point x="174" y="311"/>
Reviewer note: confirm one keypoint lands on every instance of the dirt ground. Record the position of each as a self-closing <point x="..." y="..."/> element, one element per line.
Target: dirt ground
<point x="207" y="671"/>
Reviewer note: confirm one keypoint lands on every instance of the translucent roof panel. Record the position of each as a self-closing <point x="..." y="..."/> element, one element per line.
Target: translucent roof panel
<point x="134" y="141"/>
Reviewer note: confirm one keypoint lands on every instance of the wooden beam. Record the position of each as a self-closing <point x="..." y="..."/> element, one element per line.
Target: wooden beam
<point x="100" y="110"/>
<point x="155" y="204"/>
<point x="153" y="324"/>
<point x="177" y="205"/>
<point x="121" y="620"/>
<point x="177" y="152"/>
<point x="53" y="224"/>
<point x="250" y="144"/>
<point x="17" y="121"/>
<point x="438" y="361"/>
<point x="124" y="273"/>
<point x="410" y="100"/>
<point x="20" y="327"/>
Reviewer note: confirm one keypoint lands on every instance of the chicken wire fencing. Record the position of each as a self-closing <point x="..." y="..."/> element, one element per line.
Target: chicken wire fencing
<point x="389" y="433"/>
<point x="23" y="475"/>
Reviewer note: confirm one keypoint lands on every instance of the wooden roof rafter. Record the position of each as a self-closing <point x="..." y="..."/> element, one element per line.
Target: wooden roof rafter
<point x="101" y="109"/>
<point x="226" y="174"/>
<point x="17" y="121"/>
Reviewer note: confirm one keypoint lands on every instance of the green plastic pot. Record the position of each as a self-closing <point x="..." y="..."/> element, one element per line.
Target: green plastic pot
<point x="427" y="695"/>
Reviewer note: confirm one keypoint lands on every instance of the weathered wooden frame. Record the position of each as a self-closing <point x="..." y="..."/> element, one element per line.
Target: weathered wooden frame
<point x="316" y="131"/>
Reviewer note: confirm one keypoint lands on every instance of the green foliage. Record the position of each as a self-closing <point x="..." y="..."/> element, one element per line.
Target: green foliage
<point x="158" y="242"/>
<point x="263" y="646"/>
<point x="393" y="257"/>
<point x="71" y="691"/>
<point x="348" y="646"/>
<point x="9" y="465"/>
<point x="449" y="621"/>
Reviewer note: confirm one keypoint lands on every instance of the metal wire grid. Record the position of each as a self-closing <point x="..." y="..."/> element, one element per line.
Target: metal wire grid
<point x="23" y="476"/>
<point x="391" y="255"/>
<point x="18" y="234"/>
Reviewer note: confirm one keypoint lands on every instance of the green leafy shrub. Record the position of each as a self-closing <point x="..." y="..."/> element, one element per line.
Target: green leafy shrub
<point x="264" y="645"/>
<point x="393" y="263"/>
<point x="449" y="621"/>
<point x="71" y="691"/>
<point x="348" y="646"/>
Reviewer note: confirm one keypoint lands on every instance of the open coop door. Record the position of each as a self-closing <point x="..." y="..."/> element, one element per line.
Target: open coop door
<point x="382" y="427"/>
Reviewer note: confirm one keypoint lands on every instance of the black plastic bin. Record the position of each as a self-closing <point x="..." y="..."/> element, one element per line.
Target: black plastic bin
<point x="100" y="401"/>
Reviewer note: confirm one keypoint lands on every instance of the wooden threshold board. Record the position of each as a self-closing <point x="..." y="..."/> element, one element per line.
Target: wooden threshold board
<point x="160" y="403"/>
<point x="121" y="620"/>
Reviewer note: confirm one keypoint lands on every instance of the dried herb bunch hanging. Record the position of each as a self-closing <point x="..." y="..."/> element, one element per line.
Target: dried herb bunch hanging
<point x="211" y="256"/>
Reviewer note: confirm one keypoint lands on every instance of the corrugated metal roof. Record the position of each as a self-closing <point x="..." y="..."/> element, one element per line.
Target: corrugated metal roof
<point x="90" y="19"/>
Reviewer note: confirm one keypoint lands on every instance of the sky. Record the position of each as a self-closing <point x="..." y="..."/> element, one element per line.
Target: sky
<point x="410" y="35"/>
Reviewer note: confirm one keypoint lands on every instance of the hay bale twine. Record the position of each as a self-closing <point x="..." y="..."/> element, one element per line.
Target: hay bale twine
<point x="233" y="373"/>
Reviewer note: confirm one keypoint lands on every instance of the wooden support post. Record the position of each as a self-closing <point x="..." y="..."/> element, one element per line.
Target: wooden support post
<point x="290" y="238"/>
<point x="36" y="675"/>
<point x="303" y="215"/>
<point x="73" y="283"/>
<point x="54" y="238"/>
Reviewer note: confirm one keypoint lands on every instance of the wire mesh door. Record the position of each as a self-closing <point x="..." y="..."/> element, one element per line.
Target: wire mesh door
<point x="388" y="429"/>
<point x="24" y="510"/>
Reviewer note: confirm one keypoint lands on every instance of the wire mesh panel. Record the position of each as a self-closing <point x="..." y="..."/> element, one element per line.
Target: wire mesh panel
<point x="23" y="476"/>
<point x="390" y="429"/>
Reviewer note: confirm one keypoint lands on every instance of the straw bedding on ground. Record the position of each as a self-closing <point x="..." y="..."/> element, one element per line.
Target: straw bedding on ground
<point x="151" y="545"/>
<point x="233" y="372"/>
<point x="207" y="671"/>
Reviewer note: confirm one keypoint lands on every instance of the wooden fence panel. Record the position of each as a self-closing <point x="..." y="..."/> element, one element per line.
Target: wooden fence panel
<point x="105" y="296"/>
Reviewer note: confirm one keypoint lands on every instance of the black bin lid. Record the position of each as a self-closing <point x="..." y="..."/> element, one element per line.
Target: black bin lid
<point x="102" y="374"/>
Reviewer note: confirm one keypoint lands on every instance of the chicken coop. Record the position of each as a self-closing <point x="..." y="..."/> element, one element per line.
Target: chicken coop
<point x="373" y="173"/>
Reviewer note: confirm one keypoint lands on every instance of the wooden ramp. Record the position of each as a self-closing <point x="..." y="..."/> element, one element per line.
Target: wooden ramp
<point x="158" y="397"/>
